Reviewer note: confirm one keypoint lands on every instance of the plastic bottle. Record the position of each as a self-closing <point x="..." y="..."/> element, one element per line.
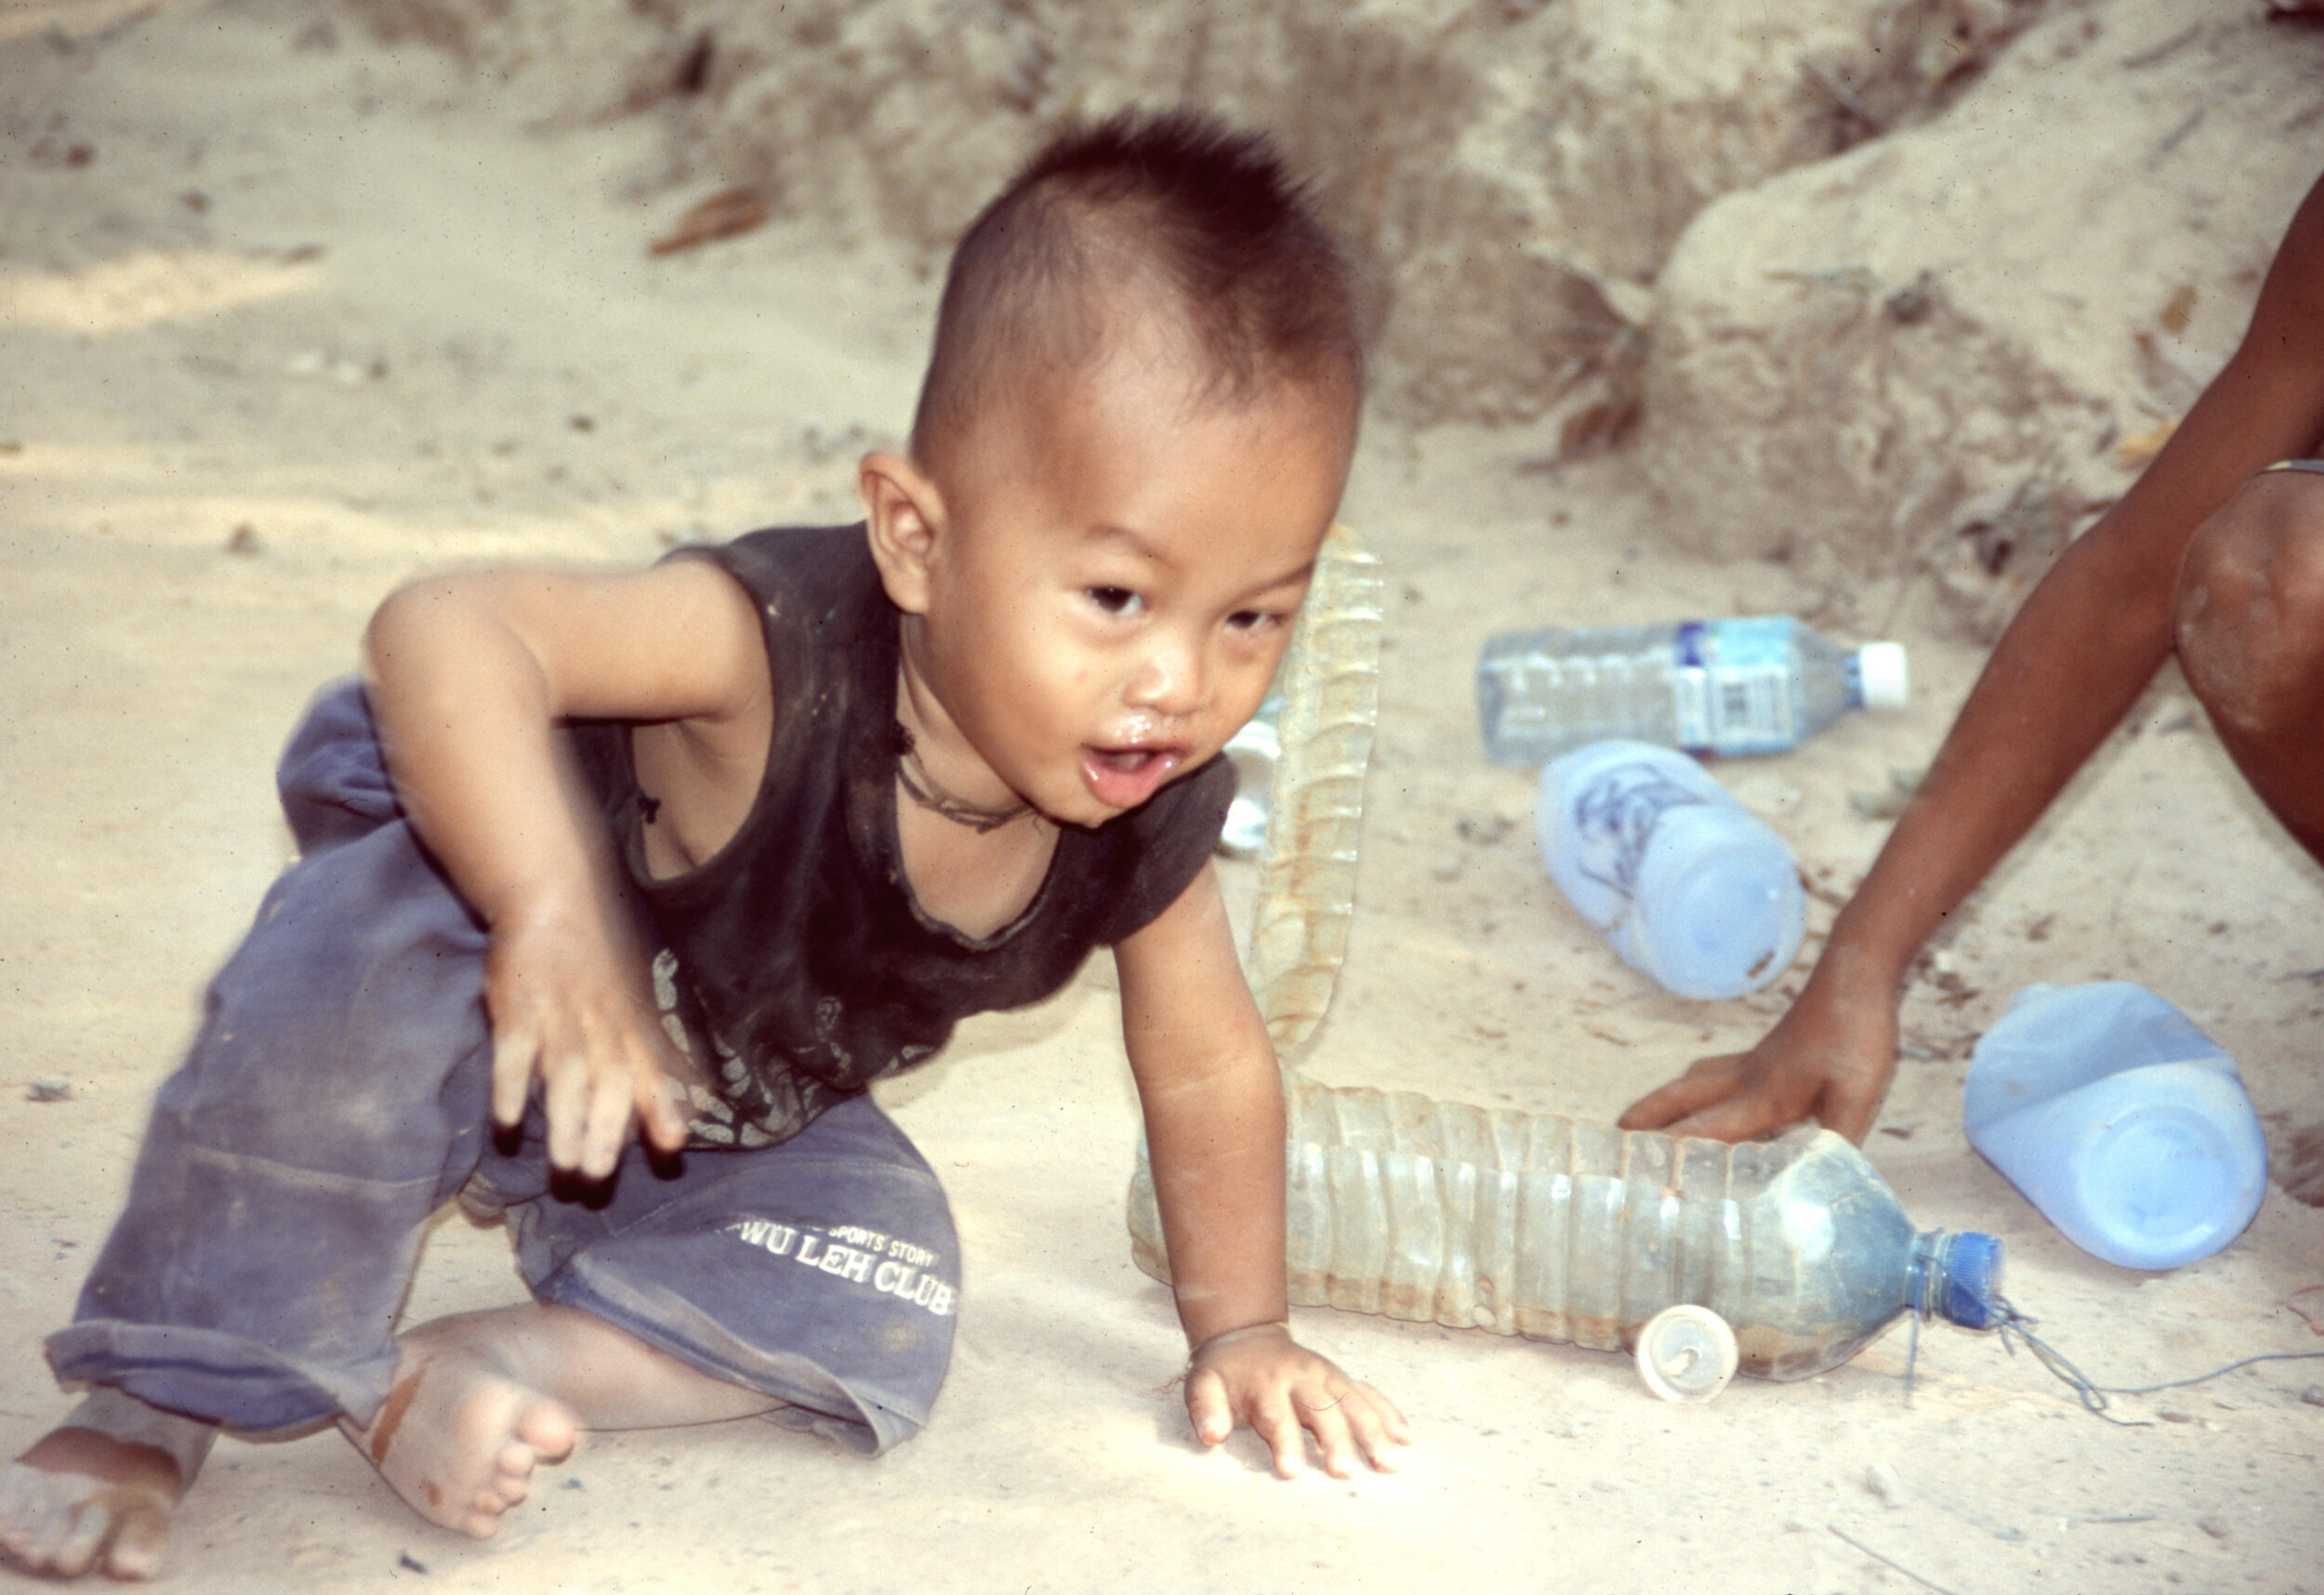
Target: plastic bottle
<point x="1754" y="684"/>
<point x="1694" y="889"/>
<point x="1555" y="1230"/>
<point x="1254" y="751"/>
<point x="2121" y="1121"/>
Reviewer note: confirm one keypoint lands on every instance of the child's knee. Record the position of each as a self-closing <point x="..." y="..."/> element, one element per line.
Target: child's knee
<point x="2250" y="608"/>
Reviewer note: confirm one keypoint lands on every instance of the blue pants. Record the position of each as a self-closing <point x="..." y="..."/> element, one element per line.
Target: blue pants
<point x="337" y="1094"/>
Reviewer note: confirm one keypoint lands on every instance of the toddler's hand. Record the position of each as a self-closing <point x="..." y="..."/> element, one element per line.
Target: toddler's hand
<point x="564" y="1007"/>
<point x="1262" y="1376"/>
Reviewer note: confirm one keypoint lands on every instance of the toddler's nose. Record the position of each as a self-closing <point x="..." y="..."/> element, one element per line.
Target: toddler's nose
<point x="1170" y="680"/>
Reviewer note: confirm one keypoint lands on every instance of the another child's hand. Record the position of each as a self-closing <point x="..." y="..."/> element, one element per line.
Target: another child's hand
<point x="565" y="1009"/>
<point x="1260" y="1376"/>
<point x="1829" y="1056"/>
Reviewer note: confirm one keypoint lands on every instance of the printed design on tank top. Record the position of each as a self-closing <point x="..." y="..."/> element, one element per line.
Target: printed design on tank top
<point x="748" y="1107"/>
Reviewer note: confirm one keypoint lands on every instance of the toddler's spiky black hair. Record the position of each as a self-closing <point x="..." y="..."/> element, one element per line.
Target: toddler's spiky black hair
<point x="1175" y="201"/>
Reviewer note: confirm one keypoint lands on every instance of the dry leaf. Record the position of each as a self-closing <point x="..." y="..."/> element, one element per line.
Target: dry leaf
<point x="724" y="215"/>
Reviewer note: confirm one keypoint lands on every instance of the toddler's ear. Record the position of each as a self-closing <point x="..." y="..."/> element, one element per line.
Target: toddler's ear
<point x="904" y="513"/>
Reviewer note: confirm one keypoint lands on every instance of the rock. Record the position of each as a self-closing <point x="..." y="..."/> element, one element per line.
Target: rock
<point x="1881" y="1480"/>
<point x="1918" y="356"/>
<point x="50" y="1089"/>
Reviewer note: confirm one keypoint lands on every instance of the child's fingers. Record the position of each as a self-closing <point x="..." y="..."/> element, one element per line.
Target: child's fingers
<point x="1708" y="1081"/>
<point x="1850" y="1104"/>
<point x="1207" y="1407"/>
<point x="1753" y="1110"/>
<point x="1349" y="1417"/>
<point x="661" y="1108"/>
<point x="610" y="1103"/>
<point x="1329" y="1422"/>
<point x="516" y="1048"/>
<point x="565" y="1103"/>
<point x="608" y="1058"/>
<point x="1377" y="1425"/>
<point x="660" y="1117"/>
<point x="1275" y="1420"/>
<point x="1393" y="1422"/>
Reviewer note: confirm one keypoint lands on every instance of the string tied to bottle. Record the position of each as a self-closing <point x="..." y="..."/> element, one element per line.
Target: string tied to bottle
<point x="2015" y="1326"/>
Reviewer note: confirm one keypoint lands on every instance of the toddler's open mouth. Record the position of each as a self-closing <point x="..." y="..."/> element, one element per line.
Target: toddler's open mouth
<point x="1125" y="777"/>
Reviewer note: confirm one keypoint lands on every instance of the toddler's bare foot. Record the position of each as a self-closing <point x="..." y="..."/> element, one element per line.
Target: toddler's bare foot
<point x="98" y="1490"/>
<point x="459" y="1435"/>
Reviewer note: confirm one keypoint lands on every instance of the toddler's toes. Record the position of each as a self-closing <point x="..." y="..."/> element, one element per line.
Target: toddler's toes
<point x="512" y="1483"/>
<point x="549" y="1428"/>
<point x="81" y="1537"/>
<point x="137" y="1548"/>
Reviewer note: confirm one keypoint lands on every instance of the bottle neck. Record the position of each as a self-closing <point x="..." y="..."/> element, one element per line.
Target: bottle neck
<point x="1957" y="1277"/>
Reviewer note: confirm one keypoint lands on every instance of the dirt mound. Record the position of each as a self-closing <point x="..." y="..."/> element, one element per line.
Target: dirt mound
<point x="1514" y="173"/>
<point x="1965" y="256"/>
<point x="1947" y="350"/>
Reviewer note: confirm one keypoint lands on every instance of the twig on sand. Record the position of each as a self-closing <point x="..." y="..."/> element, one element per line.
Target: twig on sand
<point x="1888" y="1560"/>
<point x="2315" y="1320"/>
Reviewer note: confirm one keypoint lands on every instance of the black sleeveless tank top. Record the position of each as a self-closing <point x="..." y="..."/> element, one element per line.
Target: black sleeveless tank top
<point x="794" y="966"/>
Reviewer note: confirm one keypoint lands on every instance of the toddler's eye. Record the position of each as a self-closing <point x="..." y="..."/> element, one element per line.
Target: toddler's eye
<point x="1252" y="620"/>
<point x="1114" y="600"/>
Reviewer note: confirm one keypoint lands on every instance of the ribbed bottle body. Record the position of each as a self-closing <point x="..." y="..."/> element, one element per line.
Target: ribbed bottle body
<point x="1557" y="1229"/>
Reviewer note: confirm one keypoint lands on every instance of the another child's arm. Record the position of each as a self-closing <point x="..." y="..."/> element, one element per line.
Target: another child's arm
<point x="469" y="677"/>
<point x="1213" y="1103"/>
<point x="2068" y="669"/>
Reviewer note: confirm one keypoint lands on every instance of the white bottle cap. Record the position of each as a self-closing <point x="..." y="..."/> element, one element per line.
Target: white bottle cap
<point x="1881" y="675"/>
<point x="1687" y="1353"/>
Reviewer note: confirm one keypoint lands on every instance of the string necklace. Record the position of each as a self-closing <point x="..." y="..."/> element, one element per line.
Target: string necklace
<point x="943" y="805"/>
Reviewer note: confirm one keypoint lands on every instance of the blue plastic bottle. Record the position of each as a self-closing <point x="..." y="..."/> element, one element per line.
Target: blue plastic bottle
<point x="1749" y="684"/>
<point x="1694" y="889"/>
<point x="2121" y="1121"/>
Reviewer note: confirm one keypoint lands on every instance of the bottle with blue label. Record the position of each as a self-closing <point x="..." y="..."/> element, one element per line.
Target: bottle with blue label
<point x="1753" y="685"/>
<point x="2123" y="1121"/>
<point x="1694" y="889"/>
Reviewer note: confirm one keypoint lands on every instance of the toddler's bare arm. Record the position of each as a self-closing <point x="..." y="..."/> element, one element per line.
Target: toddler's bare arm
<point x="1213" y="1103"/>
<point x="470" y="676"/>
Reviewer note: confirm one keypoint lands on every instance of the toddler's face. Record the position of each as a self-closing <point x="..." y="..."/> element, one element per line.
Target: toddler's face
<point x="1119" y="574"/>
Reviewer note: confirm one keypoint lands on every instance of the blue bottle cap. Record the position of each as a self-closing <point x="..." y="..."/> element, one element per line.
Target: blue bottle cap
<point x="1973" y="1281"/>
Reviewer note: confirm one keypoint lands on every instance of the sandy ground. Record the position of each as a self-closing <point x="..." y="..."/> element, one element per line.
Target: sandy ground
<point x="286" y="317"/>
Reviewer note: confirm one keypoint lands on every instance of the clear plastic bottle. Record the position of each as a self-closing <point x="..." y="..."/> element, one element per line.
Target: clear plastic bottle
<point x="1753" y="685"/>
<point x="1254" y="751"/>
<point x="1694" y="889"/>
<point x="2121" y="1121"/>
<point x="1545" y="1227"/>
